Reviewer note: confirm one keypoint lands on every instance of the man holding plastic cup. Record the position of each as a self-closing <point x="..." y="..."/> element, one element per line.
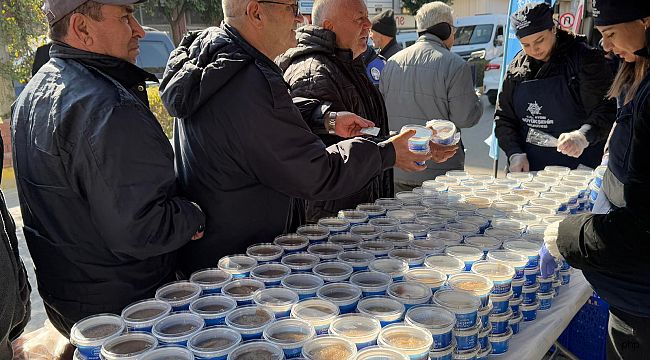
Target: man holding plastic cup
<point x="243" y="151"/>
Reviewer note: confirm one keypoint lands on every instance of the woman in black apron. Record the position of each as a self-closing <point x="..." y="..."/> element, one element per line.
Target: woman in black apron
<point x="613" y="249"/>
<point x="556" y="87"/>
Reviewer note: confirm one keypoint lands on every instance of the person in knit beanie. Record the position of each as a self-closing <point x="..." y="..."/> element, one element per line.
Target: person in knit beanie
<point x="383" y="33"/>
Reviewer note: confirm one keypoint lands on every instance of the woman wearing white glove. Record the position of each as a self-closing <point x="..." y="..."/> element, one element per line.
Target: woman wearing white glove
<point x="613" y="250"/>
<point x="557" y="85"/>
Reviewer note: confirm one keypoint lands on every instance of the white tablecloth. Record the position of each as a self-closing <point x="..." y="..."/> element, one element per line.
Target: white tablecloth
<point x="536" y="337"/>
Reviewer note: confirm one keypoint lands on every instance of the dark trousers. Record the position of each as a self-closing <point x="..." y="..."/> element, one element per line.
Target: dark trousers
<point x="629" y="336"/>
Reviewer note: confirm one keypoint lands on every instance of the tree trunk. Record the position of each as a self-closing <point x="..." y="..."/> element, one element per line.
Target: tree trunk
<point x="179" y="26"/>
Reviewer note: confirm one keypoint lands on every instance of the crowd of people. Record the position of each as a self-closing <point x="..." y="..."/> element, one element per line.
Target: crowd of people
<point x="270" y="134"/>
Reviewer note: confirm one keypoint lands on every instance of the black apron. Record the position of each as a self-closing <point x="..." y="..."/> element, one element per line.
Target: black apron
<point x="620" y="143"/>
<point x="548" y="105"/>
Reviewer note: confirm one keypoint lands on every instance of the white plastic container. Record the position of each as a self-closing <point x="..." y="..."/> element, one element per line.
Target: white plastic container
<point x="90" y="333"/>
<point x="319" y="313"/>
<point x="344" y="295"/>
<point x="130" y="346"/>
<point x="484" y="242"/>
<point x="270" y="274"/>
<point x="409" y="293"/>
<point x="176" y="329"/>
<point x="166" y="353"/>
<point x="433" y="223"/>
<point x="366" y="231"/>
<point x="346" y="241"/>
<point x="399" y="239"/>
<point x="404" y="216"/>
<point x="238" y="266"/>
<point x="300" y="262"/>
<point x="432" y="278"/>
<point x="325" y="251"/>
<point x="373" y="210"/>
<point x="179" y="294"/>
<point x="358" y="329"/>
<point x="445" y="263"/>
<point x="292" y="243"/>
<point x="435" y="319"/>
<point x="380" y="353"/>
<point x="501" y="275"/>
<point x="265" y="253"/>
<point x="414" y="258"/>
<point x="336" y="225"/>
<point x="279" y="300"/>
<point x="529" y="249"/>
<point x="463" y="304"/>
<point x="516" y="260"/>
<point x="408" y="198"/>
<point x="379" y="248"/>
<point x="386" y="310"/>
<point x="468" y="254"/>
<point x="389" y="203"/>
<point x="242" y="290"/>
<point x="333" y="271"/>
<point x="213" y="308"/>
<point x="359" y="260"/>
<point x="418" y="231"/>
<point x="429" y="246"/>
<point x="475" y="284"/>
<point x="315" y="233"/>
<point x="210" y="280"/>
<point x="329" y="348"/>
<point x="354" y="216"/>
<point x="214" y="343"/>
<point x="256" y="349"/>
<point x="371" y="283"/>
<point x="290" y="335"/>
<point x="250" y="321"/>
<point x="305" y="285"/>
<point x="141" y="315"/>
<point x="394" y="267"/>
<point x="385" y="223"/>
<point x="449" y="238"/>
<point x="409" y="340"/>
<point x="419" y="142"/>
<point x="465" y="229"/>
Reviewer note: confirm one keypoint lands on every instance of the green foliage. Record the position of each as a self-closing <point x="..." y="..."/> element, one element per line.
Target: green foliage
<point x="22" y="29"/>
<point x="413" y="5"/>
<point x="158" y="109"/>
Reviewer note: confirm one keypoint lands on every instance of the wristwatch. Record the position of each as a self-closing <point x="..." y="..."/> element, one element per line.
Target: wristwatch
<point x="331" y="122"/>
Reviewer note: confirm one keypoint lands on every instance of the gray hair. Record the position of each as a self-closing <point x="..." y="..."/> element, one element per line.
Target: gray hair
<point x="433" y="13"/>
<point x="321" y="10"/>
<point x="234" y="8"/>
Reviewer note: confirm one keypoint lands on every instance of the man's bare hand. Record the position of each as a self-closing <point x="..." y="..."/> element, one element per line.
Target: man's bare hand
<point x="197" y="235"/>
<point x="349" y="125"/>
<point x="404" y="158"/>
<point x="442" y="153"/>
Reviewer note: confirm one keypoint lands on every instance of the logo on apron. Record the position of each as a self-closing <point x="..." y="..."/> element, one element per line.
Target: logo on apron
<point x="535" y="118"/>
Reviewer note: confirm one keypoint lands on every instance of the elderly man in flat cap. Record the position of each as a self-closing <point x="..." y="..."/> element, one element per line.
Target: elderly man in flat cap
<point x="94" y="170"/>
<point x="383" y="33"/>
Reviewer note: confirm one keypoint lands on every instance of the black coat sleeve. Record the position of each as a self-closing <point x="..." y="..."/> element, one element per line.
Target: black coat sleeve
<point x="313" y="111"/>
<point x="620" y="239"/>
<point x="507" y="125"/>
<point x="595" y="78"/>
<point x="285" y="155"/>
<point x="131" y="186"/>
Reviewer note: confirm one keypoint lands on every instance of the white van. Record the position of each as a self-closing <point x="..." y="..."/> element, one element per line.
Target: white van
<point x="480" y="33"/>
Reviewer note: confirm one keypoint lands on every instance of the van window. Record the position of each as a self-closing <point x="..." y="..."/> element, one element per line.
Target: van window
<point x="473" y="34"/>
<point x="153" y="56"/>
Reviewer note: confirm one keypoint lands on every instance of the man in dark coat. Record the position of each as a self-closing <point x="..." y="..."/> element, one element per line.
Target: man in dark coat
<point x="328" y="65"/>
<point x="15" y="289"/>
<point x="94" y="170"/>
<point x="243" y="150"/>
<point x="384" y="30"/>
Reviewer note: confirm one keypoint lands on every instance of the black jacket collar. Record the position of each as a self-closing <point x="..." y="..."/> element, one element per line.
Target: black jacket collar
<point x="122" y="71"/>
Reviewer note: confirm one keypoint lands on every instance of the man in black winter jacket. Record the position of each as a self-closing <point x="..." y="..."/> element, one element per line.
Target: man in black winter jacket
<point x="328" y="65"/>
<point x="243" y="151"/>
<point x="15" y="290"/>
<point x="95" y="172"/>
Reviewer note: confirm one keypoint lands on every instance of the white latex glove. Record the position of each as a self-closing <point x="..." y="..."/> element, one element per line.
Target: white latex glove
<point x="550" y="239"/>
<point x="573" y="143"/>
<point x="518" y="163"/>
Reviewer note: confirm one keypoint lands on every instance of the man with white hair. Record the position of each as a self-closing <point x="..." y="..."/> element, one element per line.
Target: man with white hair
<point x="328" y="65"/>
<point x="427" y="81"/>
<point x="243" y="151"/>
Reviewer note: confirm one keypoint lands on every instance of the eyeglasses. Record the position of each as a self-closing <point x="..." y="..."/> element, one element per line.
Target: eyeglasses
<point x="294" y="7"/>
